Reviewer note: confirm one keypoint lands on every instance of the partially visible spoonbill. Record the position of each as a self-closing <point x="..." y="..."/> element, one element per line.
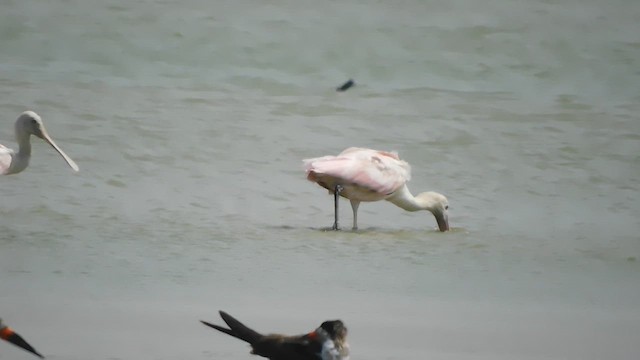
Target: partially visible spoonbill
<point x="360" y="174"/>
<point x="6" y="333"/>
<point x="28" y="123"/>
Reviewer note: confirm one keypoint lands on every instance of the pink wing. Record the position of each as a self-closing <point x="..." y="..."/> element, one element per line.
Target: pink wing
<point x="5" y="158"/>
<point x="382" y="172"/>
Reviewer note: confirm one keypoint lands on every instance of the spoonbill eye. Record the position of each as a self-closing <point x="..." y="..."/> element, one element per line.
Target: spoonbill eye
<point x="446" y="207"/>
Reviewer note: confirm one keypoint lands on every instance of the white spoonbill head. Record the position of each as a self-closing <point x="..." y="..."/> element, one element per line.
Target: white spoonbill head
<point x="438" y="205"/>
<point x="30" y="123"/>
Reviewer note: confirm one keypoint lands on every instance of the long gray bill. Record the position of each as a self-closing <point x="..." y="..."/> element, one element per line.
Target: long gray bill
<point x="66" y="158"/>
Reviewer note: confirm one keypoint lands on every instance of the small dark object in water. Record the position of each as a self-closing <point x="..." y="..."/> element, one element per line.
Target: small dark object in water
<point x="346" y="86"/>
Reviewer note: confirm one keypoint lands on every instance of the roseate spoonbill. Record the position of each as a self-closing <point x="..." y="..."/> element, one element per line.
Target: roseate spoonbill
<point x="327" y="342"/>
<point x="6" y="333"/>
<point x="360" y="174"/>
<point x="28" y="123"/>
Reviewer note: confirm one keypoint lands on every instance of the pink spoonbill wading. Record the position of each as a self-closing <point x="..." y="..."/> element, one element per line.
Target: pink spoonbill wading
<point x="360" y="174"/>
<point x="28" y="123"/>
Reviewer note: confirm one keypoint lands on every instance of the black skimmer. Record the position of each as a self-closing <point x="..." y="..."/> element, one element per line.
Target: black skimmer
<point x="327" y="342"/>
<point x="6" y="333"/>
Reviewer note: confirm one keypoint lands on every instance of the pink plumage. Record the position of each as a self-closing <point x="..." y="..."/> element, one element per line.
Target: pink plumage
<point x="365" y="174"/>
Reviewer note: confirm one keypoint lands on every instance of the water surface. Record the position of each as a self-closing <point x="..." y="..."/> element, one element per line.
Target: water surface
<point x="189" y="121"/>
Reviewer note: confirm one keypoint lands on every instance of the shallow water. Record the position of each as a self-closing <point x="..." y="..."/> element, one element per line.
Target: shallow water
<point x="189" y="122"/>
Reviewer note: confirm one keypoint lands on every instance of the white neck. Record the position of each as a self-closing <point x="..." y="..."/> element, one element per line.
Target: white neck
<point x="20" y="159"/>
<point x="404" y="199"/>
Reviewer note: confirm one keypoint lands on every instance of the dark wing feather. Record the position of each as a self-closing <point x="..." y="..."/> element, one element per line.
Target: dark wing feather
<point x="279" y="347"/>
<point x="236" y="329"/>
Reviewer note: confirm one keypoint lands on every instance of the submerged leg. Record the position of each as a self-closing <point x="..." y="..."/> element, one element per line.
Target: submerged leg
<point x="354" y="207"/>
<point x="336" y="198"/>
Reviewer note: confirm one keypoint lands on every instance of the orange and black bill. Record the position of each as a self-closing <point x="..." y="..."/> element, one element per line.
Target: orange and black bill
<point x="6" y="333"/>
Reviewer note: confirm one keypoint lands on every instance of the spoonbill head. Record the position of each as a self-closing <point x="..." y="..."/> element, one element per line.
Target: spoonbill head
<point x="28" y="123"/>
<point x="438" y="205"/>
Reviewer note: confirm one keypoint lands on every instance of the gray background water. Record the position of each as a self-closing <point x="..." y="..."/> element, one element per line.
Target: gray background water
<point x="189" y="120"/>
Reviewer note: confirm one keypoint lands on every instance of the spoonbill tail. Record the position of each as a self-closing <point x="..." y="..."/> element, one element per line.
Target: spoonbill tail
<point x="6" y="333"/>
<point x="28" y="123"/>
<point x="360" y="174"/>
